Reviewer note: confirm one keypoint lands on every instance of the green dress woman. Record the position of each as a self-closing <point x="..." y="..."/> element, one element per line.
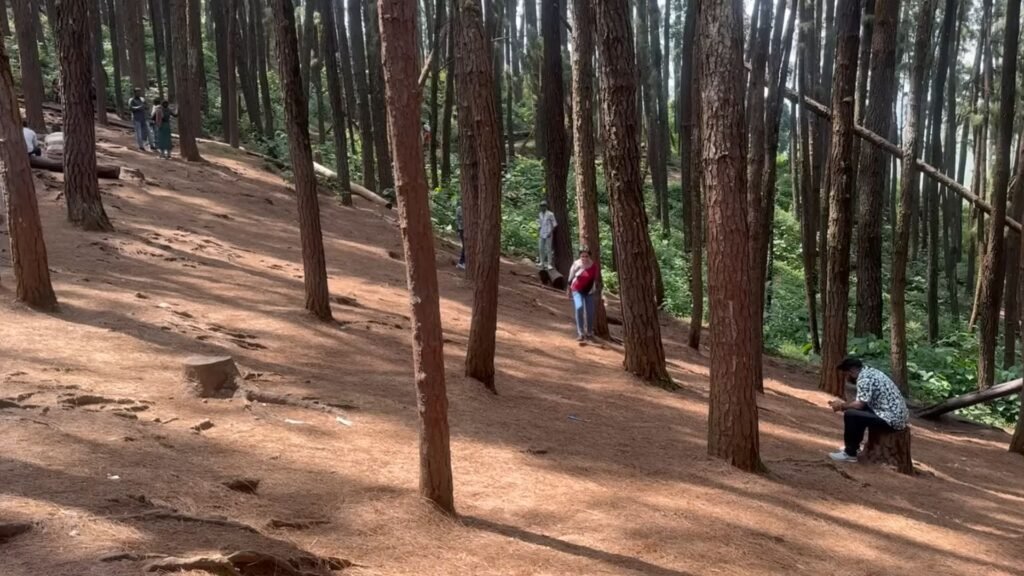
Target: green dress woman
<point x="163" y="129"/>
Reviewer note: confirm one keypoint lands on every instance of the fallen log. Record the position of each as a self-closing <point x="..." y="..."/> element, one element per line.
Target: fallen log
<point x="972" y="398"/>
<point x="930" y="171"/>
<point x="105" y="171"/>
<point x="551" y="277"/>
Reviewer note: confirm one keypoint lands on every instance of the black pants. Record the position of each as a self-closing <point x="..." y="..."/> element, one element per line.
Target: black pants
<point x="855" y="422"/>
<point x="36" y="152"/>
<point x="462" y="256"/>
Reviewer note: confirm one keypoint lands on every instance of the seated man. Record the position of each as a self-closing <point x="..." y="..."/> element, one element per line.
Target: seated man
<point x="879" y="406"/>
<point x="31" y="140"/>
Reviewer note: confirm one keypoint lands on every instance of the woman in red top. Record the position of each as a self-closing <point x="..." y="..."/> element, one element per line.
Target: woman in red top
<point x="584" y="286"/>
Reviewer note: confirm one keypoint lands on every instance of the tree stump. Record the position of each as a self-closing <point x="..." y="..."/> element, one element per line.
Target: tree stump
<point x="211" y="376"/>
<point x="891" y="448"/>
<point x="551" y="277"/>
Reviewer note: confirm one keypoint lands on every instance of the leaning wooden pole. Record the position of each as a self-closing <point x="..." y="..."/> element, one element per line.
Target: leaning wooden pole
<point x="930" y="171"/>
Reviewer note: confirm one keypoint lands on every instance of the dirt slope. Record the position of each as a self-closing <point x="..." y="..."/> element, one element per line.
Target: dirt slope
<point x="573" y="469"/>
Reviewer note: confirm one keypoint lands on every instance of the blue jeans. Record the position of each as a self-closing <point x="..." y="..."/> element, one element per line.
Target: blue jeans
<point x="141" y="133"/>
<point x="584" y="305"/>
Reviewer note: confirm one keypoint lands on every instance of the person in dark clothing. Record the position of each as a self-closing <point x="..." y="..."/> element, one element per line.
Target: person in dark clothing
<point x="31" y="140"/>
<point x="140" y="120"/>
<point x="879" y="406"/>
<point x="462" y="238"/>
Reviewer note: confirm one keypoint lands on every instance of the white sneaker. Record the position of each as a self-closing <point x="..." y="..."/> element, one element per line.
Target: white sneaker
<point x="842" y="456"/>
<point x="460" y="266"/>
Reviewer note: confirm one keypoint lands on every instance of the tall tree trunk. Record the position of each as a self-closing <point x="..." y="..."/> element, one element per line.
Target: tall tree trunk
<point x="449" y="102"/>
<point x="645" y="356"/>
<point x="262" y="57"/>
<point x="380" y="124"/>
<point x="307" y="47"/>
<point x="556" y="159"/>
<point x="480" y="156"/>
<point x="334" y="93"/>
<point x="648" y="100"/>
<point x="873" y="164"/>
<point x="657" y="116"/>
<point x="583" y="144"/>
<point x="931" y="188"/>
<point x="218" y="8"/>
<point x="196" y="62"/>
<point x="81" y="188"/>
<point x="807" y="58"/>
<point x="245" y="66"/>
<point x="534" y="64"/>
<point x="732" y="418"/>
<point x="403" y="96"/>
<point x="135" y="33"/>
<point x="98" y="72"/>
<point x="172" y="88"/>
<point x="187" y="84"/>
<point x="689" y="165"/>
<point x="31" y="71"/>
<point x="297" y="124"/>
<point x="1011" y="309"/>
<point x="435" y="85"/>
<point x="840" y="225"/>
<point x="908" y="187"/>
<point x="355" y="24"/>
<point x="28" y="250"/>
<point x="316" y="73"/>
<point x="156" y="22"/>
<point x="230" y="87"/>
<point x="345" y="58"/>
<point x="994" y="268"/>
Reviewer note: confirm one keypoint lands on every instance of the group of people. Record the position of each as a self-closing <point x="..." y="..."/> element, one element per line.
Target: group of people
<point x="152" y="127"/>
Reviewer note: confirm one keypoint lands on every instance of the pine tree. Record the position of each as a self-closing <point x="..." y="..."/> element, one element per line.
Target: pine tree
<point x="644" y="353"/>
<point x="28" y="250"/>
<point x="187" y="88"/>
<point x="330" y="52"/>
<point x="81" y="187"/>
<point x="400" y="74"/>
<point x="31" y="71"/>
<point x="732" y="417"/>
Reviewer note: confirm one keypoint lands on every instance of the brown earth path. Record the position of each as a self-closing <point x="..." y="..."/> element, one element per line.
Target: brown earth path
<point x="573" y="469"/>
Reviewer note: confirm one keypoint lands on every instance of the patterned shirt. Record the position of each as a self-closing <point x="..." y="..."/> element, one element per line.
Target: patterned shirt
<point x="883" y="397"/>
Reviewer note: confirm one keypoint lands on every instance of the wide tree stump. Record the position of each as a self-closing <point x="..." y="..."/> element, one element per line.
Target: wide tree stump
<point x="211" y="376"/>
<point x="551" y="277"/>
<point x="890" y="448"/>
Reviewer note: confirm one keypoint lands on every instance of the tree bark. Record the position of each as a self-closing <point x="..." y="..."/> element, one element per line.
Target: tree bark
<point x="931" y="192"/>
<point x="99" y="73"/>
<point x="994" y="269"/>
<point x="583" y="144"/>
<point x="435" y="86"/>
<point x="1011" y="309"/>
<point x="449" y="105"/>
<point x="644" y="354"/>
<point x="262" y="58"/>
<point x="908" y="188"/>
<point x="873" y="164"/>
<point x="316" y="74"/>
<point x="732" y="418"/>
<point x="307" y="47"/>
<point x="297" y="123"/>
<point x="840" y="225"/>
<point x="81" y="187"/>
<point x="337" y="103"/>
<point x="28" y="250"/>
<point x="245" y="66"/>
<point x="556" y="158"/>
<point x="220" y="27"/>
<point x="188" y="96"/>
<point x="31" y="71"/>
<point x="135" y="34"/>
<point x="156" y="22"/>
<point x="403" y="99"/>
<point x="380" y="124"/>
<point x="355" y="24"/>
<point x="480" y="156"/>
<point x="689" y="162"/>
<point x="230" y="87"/>
<point x="172" y="88"/>
<point x="197" y="64"/>
<point x="806" y="72"/>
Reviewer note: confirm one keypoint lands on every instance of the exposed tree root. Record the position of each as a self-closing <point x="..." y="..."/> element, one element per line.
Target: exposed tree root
<point x="251" y="563"/>
<point x="253" y="395"/>
<point x="182" y="517"/>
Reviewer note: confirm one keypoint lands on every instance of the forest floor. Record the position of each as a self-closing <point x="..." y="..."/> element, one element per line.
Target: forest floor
<point x="574" y="468"/>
